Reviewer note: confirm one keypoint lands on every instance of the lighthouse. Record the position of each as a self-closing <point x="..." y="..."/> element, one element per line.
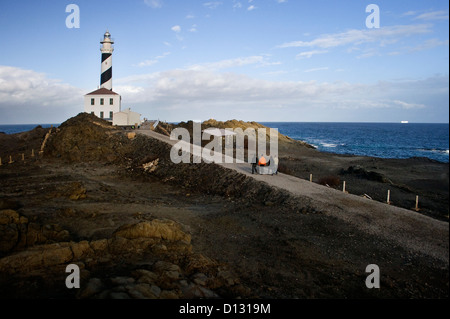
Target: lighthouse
<point x="104" y="102"/>
<point x="107" y="50"/>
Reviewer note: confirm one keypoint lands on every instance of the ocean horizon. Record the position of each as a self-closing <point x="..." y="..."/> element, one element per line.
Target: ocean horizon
<point x="384" y="140"/>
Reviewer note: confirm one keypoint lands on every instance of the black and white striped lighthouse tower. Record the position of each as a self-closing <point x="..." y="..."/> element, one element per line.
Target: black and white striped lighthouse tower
<point x="107" y="50"/>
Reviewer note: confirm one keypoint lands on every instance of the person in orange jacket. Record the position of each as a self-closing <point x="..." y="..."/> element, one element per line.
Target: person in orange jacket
<point x="262" y="161"/>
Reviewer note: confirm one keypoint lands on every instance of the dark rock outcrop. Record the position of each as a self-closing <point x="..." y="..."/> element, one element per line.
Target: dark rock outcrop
<point x="156" y="257"/>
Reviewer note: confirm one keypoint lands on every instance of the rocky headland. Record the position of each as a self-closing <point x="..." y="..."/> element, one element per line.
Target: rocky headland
<point x="140" y="226"/>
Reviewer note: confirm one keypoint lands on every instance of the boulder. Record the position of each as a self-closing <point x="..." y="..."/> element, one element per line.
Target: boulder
<point x="145" y="276"/>
<point x="73" y="191"/>
<point x="16" y="232"/>
<point x="9" y="236"/>
<point x="81" y="249"/>
<point x="199" y="263"/>
<point x="157" y="228"/>
<point x="144" y="291"/>
<point x="100" y="245"/>
<point x="122" y="280"/>
<point x="38" y="257"/>
<point x="93" y="287"/>
<point x="167" y="270"/>
<point x="9" y="216"/>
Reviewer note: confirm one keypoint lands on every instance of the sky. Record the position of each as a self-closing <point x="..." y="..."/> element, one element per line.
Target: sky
<point x="251" y="60"/>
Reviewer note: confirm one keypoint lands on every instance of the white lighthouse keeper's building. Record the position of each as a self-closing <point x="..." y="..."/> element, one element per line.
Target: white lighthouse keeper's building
<point x="103" y="103"/>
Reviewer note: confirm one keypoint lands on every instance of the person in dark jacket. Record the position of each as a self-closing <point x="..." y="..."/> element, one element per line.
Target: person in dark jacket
<point x="254" y="161"/>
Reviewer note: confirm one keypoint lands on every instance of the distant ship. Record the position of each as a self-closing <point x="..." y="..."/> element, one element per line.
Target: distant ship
<point x="404" y="122"/>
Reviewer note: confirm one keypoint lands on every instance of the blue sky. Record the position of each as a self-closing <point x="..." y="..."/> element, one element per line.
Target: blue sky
<point x="261" y="60"/>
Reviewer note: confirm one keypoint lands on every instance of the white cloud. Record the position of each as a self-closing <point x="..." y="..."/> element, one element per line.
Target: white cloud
<point x="176" y="28"/>
<point x="426" y="45"/>
<point x="250" y="8"/>
<point x="409" y="13"/>
<point x="147" y="63"/>
<point x="163" y="55"/>
<point x="212" y="5"/>
<point x="317" y="69"/>
<point x="434" y="15"/>
<point x="356" y="37"/>
<point x="153" y="3"/>
<point x="195" y="85"/>
<point x="429" y="44"/>
<point x="407" y="105"/>
<point x="193" y="28"/>
<point x="152" y="61"/>
<point x="258" y="60"/>
<point x="203" y="94"/>
<point x="26" y="95"/>
<point x="309" y="54"/>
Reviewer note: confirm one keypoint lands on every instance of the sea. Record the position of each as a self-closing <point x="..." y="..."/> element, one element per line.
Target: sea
<point x="19" y="128"/>
<point x="385" y="140"/>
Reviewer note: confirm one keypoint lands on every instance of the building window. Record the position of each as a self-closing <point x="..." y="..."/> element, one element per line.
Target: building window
<point x="92" y="101"/>
<point x="110" y="114"/>
<point x="101" y="114"/>
<point x="101" y="101"/>
<point x="111" y="101"/>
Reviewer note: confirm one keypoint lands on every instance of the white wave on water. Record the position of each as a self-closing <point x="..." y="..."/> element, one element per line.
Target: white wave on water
<point x="433" y="150"/>
<point x="329" y="145"/>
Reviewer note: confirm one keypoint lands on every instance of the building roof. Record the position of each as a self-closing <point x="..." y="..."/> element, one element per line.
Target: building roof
<point x="103" y="91"/>
<point x="127" y="111"/>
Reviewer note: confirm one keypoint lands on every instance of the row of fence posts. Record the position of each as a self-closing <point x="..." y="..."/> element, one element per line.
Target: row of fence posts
<point x="388" y="200"/>
<point x="11" y="161"/>
<point x="32" y="151"/>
